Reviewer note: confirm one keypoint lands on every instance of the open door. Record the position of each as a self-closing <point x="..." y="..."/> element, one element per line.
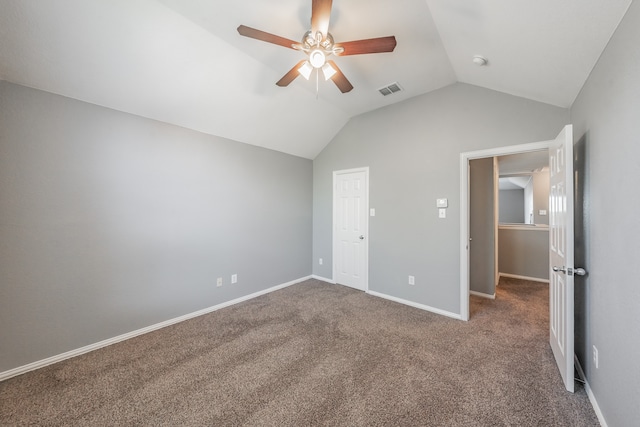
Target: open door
<point x="561" y="254"/>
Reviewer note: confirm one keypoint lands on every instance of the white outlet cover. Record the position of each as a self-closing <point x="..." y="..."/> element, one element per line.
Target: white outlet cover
<point x="442" y="213"/>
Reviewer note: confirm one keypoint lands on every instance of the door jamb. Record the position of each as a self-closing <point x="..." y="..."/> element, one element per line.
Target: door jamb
<point x="465" y="212"/>
<point x="366" y="223"/>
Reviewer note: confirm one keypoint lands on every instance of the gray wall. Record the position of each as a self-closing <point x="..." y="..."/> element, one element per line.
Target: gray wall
<point x="481" y="227"/>
<point x="511" y="206"/>
<point x="413" y="151"/>
<point x="607" y="131"/>
<point x="528" y="202"/>
<point x="540" y="197"/>
<point x="524" y="252"/>
<point x="111" y="222"/>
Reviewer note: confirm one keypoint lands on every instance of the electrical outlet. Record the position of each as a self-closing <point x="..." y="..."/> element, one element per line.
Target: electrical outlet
<point x="219" y="282"/>
<point x="234" y="278"/>
<point x="442" y="213"/>
<point x="320" y="261"/>
<point x="595" y="356"/>
<point x="412" y="280"/>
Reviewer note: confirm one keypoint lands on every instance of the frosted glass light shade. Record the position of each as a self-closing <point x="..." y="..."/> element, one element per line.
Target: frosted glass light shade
<point x="305" y="70"/>
<point x="328" y="71"/>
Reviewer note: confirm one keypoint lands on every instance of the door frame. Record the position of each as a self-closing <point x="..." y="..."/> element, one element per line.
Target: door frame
<point x="334" y="231"/>
<point x="465" y="213"/>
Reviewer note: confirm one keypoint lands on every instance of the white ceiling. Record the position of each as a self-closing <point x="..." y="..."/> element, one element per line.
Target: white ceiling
<point x="514" y="182"/>
<point x="515" y="170"/>
<point x="183" y="62"/>
<point x="523" y="163"/>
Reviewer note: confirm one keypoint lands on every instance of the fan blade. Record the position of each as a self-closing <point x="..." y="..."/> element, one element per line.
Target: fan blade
<point x="291" y="75"/>
<point x="359" y="47"/>
<point x="320" y="16"/>
<point x="339" y="79"/>
<point x="265" y="37"/>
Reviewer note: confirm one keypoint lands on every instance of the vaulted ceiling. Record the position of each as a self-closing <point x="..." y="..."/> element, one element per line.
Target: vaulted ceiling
<point x="183" y="62"/>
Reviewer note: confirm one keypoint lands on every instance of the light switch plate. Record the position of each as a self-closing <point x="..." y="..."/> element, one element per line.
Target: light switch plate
<point x="372" y="212"/>
<point x="542" y="212"/>
<point x="442" y="213"/>
<point x="442" y="203"/>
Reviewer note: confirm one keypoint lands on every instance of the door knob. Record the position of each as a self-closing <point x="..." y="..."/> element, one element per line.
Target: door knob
<point x="570" y="271"/>
<point x="361" y="237"/>
<point x="580" y="271"/>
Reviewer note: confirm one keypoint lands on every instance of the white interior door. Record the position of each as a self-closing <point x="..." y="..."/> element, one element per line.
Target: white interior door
<point x="350" y="240"/>
<point x="561" y="254"/>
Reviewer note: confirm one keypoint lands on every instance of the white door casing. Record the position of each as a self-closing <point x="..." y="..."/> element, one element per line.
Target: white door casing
<point x="561" y="254"/>
<point x="465" y="210"/>
<point x="351" y="228"/>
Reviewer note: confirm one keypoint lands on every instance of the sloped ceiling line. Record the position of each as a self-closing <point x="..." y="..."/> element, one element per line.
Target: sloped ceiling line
<point x="182" y="61"/>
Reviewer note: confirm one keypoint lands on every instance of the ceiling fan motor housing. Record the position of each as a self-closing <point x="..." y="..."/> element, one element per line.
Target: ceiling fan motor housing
<point x="311" y="41"/>
<point x="317" y="58"/>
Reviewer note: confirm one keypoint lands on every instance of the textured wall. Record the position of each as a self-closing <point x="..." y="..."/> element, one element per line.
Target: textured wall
<point x="511" y="206"/>
<point x="524" y="252"/>
<point x="111" y="222"/>
<point x="607" y="129"/>
<point x="481" y="227"/>
<point x="540" y="197"/>
<point x="413" y="151"/>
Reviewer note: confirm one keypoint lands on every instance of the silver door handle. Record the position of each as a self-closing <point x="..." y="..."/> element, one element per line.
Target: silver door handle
<point x="570" y="271"/>
<point x="361" y="237"/>
<point x="580" y="271"/>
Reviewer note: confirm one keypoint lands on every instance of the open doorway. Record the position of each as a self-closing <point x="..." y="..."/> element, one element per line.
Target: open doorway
<point x="522" y="234"/>
<point x="508" y="224"/>
<point x="465" y="215"/>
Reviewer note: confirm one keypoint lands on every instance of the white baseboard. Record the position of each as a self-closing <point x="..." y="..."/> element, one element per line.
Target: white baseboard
<point x="86" y="349"/>
<point x="516" y="276"/>
<point x="587" y="388"/>
<point x="416" y="305"/>
<point x="483" y="295"/>
<point x="324" y="279"/>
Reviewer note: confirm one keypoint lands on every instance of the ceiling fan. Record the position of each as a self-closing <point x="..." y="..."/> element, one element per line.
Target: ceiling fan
<point x="318" y="45"/>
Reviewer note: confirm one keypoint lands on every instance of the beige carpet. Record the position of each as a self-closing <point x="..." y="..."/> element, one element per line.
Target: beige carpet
<point x="317" y="354"/>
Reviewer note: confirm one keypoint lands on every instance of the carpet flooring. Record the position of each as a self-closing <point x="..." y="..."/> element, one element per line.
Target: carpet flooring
<point x="317" y="354"/>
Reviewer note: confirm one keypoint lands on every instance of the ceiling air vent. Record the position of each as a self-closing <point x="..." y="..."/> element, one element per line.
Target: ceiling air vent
<point x="388" y="90"/>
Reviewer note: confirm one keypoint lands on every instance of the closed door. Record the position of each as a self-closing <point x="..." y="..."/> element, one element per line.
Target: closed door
<point x="350" y="238"/>
<point x="561" y="254"/>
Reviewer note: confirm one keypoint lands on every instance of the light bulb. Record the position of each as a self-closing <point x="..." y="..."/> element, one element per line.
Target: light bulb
<point x="328" y="71"/>
<point x="305" y="70"/>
